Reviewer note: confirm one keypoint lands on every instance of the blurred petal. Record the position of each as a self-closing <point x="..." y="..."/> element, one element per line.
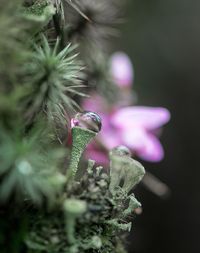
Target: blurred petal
<point x="145" y="145"/>
<point x="153" y="150"/>
<point x="134" y="138"/>
<point x="94" y="103"/>
<point x="99" y="157"/>
<point x="121" y="69"/>
<point x="110" y="137"/>
<point x="147" y="117"/>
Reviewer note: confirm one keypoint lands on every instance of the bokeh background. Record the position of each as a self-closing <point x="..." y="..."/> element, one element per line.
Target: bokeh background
<point x="163" y="40"/>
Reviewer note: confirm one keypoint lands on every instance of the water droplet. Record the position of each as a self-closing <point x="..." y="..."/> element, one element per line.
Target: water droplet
<point x="121" y="151"/>
<point x="88" y="120"/>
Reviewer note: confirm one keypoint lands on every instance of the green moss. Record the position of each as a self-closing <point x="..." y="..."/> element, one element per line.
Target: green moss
<point x="37" y="8"/>
<point x="101" y="223"/>
<point x="41" y="12"/>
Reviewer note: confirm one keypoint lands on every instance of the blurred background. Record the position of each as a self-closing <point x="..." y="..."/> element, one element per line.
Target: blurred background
<point x="163" y="40"/>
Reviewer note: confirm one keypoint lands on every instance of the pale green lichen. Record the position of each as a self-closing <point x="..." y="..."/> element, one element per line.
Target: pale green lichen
<point x="95" y="211"/>
<point x="126" y="169"/>
<point x="81" y="137"/>
<point x="73" y="209"/>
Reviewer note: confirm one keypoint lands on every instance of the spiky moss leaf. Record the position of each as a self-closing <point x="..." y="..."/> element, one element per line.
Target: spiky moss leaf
<point x="54" y="78"/>
<point x="29" y="170"/>
<point x="12" y="42"/>
<point x="16" y="34"/>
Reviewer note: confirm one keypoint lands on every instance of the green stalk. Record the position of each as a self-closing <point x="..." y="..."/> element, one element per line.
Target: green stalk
<point x="80" y="139"/>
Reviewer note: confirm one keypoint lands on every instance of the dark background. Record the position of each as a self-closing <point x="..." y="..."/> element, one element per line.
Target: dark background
<point x="162" y="38"/>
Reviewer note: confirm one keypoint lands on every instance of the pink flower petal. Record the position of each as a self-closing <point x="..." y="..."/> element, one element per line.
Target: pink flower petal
<point x="144" y="144"/>
<point x="94" y="103"/>
<point x="109" y="137"/>
<point x="101" y="158"/>
<point x="148" y="117"/>
<point x="121" y="69"/>
<point x="153" y="151"/>
<point x="134" y="138"/>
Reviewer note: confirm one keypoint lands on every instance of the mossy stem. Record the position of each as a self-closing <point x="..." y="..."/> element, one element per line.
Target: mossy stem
<point x="80" y="139"/>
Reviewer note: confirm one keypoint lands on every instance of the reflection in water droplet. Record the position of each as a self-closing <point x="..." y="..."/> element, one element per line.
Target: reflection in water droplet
<point x="88" y="120"/>
<point x="121" y="151"/>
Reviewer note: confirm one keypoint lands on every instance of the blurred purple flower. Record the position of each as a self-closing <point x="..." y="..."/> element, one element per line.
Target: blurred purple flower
<point x="121" y="69"/>
<point x="133" y="126"/>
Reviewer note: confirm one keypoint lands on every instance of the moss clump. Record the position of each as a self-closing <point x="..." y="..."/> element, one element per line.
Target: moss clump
<point x="91" y="221"/>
